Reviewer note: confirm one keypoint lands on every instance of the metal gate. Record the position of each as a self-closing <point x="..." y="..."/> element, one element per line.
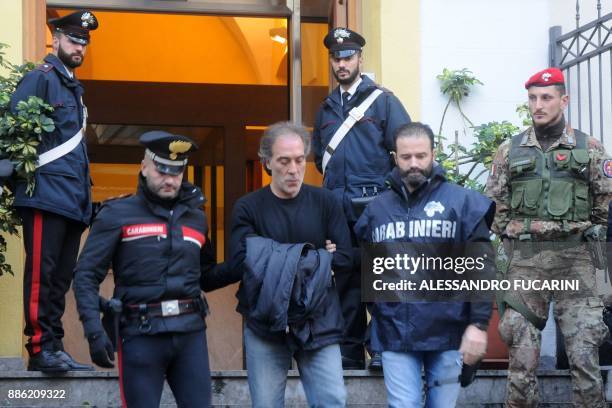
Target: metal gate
<point x="585" y="57"/>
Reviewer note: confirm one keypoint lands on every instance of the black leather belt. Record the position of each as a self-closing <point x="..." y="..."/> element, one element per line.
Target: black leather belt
<point x="166" y="308"/>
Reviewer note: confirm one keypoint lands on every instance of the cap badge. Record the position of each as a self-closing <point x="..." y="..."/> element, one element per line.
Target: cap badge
<point x="546" y="76"/>
<point x="178" y="146"/>
<point x="86" y="19"/>
<point x="340" y="34"/>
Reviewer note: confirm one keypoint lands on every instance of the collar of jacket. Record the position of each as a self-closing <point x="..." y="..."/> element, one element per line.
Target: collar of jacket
<point x="366" y="83"/>
<point x="61" y="71"/>
<point x="394" y="180"/>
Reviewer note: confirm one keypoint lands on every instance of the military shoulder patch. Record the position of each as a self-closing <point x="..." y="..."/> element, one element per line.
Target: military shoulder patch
<point x="607" y="168"/>
<point x="44" y="67"/>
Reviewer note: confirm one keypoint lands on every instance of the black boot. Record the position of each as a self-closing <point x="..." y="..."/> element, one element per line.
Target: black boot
<point x="74" y="365"/>
<point x="352" y="364"/>
<point x="47" y="362"/>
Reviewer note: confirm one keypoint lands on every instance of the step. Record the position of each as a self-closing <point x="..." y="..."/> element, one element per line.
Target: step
<point x="230" y="389"/>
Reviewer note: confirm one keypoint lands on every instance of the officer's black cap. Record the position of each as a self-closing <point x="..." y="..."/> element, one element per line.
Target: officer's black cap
<point x="76" y="26"/>
<point x="342" y="42"/>
<point x="169" y="152"/>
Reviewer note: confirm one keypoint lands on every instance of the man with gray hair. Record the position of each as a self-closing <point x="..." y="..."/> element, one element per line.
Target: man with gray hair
<point x="291" y="306"/>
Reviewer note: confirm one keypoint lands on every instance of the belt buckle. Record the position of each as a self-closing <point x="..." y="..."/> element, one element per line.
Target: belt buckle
<point x="170" y="308"/>
<point x="356" y="114"/>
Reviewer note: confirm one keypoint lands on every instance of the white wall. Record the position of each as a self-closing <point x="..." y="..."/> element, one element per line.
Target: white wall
<point x="502" y="42"/>
<point x="564" y="12"/>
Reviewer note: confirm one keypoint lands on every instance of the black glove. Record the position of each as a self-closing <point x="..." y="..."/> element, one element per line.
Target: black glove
<point x="101" y="350"/>
<point x="468" y="373"/>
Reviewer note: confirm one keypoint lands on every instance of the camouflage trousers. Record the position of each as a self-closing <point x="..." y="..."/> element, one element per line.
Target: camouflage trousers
<point x="578" y="315"/>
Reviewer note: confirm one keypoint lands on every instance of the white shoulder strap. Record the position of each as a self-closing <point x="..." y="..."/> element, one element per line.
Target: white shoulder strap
<point x="66" y="147"/>
<point x="353" y="117"/>
<point x="61" y="150"/>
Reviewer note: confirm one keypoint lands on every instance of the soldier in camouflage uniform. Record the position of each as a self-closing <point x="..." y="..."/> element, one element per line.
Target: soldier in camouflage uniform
<point x="551" y="183"/>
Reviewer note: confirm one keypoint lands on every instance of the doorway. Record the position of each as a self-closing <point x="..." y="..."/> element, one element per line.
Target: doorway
<point x="217" y="79"/>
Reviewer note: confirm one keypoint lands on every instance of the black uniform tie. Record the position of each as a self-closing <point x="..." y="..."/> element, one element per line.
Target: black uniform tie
<point x="345" y="101"/>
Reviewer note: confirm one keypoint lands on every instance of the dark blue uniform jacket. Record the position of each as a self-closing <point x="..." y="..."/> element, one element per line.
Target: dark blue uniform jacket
<point x="361" y="161"/>
<point x="426" y="326"/>
<point x="62" y="186"/>
<point x="156" y="253"/>
<point x="290" y="287"/>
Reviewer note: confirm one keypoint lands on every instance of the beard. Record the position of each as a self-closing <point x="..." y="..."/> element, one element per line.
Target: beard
<point x="67" y="59"/>
<point x="348" y="80"/>
<point x="543" y="127"/>
<point x="158" y="190"/>
<point x="415" y="177"/>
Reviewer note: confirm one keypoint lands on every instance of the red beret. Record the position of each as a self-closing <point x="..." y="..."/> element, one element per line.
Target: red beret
<point x="547" y="77"/>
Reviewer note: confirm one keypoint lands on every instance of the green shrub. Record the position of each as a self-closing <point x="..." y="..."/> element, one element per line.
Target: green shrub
<point x="20" y="134"/>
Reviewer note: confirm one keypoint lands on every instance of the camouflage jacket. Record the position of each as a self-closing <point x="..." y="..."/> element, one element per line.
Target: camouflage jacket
<point x="499" y="189"/>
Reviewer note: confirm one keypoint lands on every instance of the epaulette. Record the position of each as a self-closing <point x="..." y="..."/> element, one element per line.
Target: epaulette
<point x="46" y="67"/>
<point x="117" y="198"/>
<point x="98" y="205"/>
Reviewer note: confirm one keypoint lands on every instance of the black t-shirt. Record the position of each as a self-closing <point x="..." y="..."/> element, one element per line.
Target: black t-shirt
<point x="313" y="216"/>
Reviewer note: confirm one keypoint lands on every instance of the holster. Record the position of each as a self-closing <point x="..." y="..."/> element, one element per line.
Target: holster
<point x="360" y="203"/>
<point x="111" y="315"/>
<point x="595" y="237"/>
<point x="509" y="299"/>
<point x="515" y="303"/>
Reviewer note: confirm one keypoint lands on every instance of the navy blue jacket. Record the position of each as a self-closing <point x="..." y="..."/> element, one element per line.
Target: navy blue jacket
<point x="288" y="288"/>
<point x="421" y="326"/>
<point x="362" y="159"/>
<point x="62" y="186"/>
<point x="157" y="253"/>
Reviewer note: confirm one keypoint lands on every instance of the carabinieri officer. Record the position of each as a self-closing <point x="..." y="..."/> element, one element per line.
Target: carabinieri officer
<point x="57" y="212"/>
<point x="156" y="241"/>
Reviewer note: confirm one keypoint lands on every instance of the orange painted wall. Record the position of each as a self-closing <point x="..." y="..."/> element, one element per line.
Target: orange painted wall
<point x="151" y="47"/>
<point x="315" y="67"/>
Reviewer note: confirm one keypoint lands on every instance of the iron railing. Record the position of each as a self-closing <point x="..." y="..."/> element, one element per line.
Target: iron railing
<point x="585" y="57"/>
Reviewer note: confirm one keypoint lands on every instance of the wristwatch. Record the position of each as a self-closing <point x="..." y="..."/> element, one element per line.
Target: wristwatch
<point x="481" y="326"/>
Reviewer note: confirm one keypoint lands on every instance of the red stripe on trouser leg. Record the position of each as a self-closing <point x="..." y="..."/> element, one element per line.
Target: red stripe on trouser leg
<point x="35" y="286"/>
<point x="120" y="368"/>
